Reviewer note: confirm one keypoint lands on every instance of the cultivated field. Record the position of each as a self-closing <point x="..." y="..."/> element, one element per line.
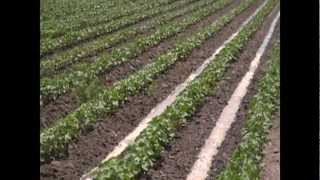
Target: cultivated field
<point x="159" y="89"/>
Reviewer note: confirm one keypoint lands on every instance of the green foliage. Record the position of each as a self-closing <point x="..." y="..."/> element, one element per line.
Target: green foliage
<point x="51" y="10"/>
<point x="89" y="91"/>
<point x="92" y="13"/>
<point x="151" y="89"/>
<point x="245" y="161"/>
<point x="72" y="37"/>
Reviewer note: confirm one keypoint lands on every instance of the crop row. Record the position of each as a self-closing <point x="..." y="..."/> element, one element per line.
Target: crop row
<point x="73" y="37"/>
<point x="246" y="159"/>
<point x="54" y="139"/>
<point x="64" y="82"/>
<point x="52" y="29"/>
<point x="57" y="9"/>
<point x="60" y="60"/>
<point x="141" y="155"/>
<point x="53" y="12"/>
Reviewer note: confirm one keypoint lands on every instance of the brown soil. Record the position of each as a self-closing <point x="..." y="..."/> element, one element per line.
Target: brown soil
<point x="92" y="147"/>
<point x="68" y="102"/>
<point x="58" y="109"/>
<point x="176" y="162"/>
<point x="271" y="161"/>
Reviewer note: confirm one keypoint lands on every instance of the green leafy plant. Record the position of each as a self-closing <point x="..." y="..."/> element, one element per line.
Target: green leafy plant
<point x="89" y="91"/>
